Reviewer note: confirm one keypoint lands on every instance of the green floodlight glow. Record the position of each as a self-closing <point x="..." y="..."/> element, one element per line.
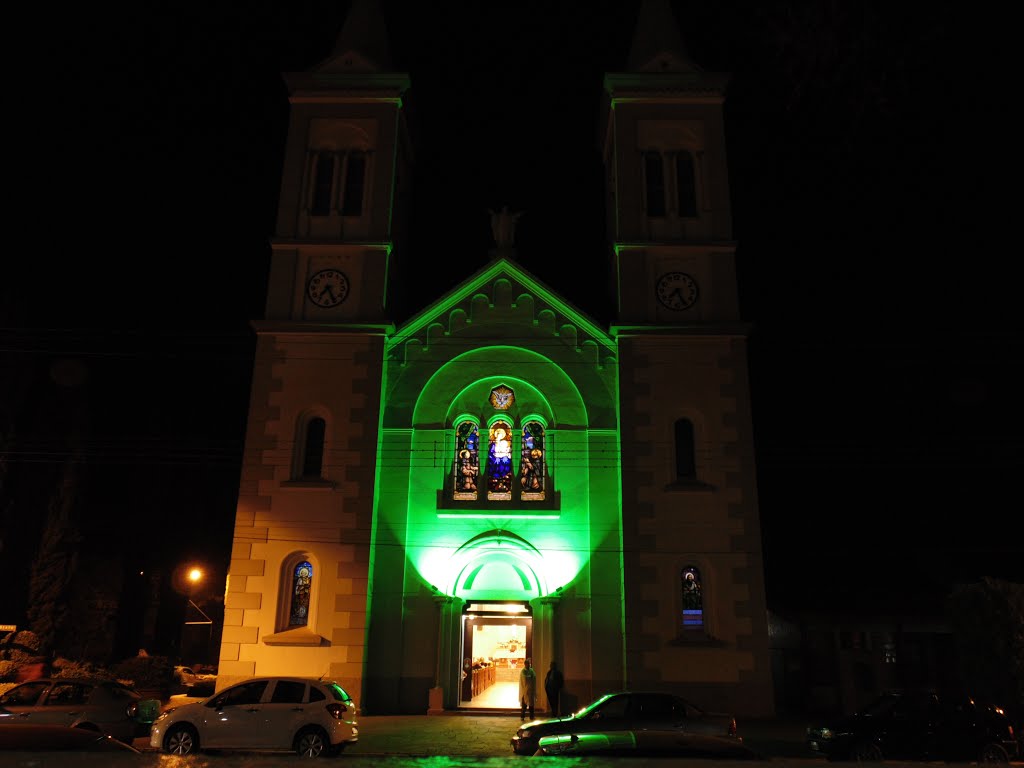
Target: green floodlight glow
<point x="498" y="563"/>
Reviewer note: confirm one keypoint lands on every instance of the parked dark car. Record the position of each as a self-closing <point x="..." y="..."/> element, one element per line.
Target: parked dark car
<point x="647" y="744"/>
<point x="919" y="725"/>
<point x="88" y="703"/>
<point x="635" y="711"/>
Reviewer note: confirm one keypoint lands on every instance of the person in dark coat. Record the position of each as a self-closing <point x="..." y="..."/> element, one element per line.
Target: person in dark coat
<point x="553" y="684"/>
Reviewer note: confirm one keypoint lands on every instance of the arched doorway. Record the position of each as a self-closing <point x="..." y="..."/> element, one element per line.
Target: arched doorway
<point x="497" y="574"/>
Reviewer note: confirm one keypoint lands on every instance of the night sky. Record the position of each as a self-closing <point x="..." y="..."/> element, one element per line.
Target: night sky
<point x="865" y="160"/>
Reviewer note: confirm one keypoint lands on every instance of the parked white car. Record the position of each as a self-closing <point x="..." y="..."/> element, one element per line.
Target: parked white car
<point x="304" y="715"/>
<point x="186" y="676"/>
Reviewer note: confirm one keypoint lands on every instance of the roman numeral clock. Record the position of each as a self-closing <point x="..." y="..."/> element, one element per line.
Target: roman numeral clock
<point x="328" y="288"/>
<point x="676" y="291"/>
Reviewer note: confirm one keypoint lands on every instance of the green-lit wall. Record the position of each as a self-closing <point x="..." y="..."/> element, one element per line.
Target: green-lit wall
<point x="562" y="557"/>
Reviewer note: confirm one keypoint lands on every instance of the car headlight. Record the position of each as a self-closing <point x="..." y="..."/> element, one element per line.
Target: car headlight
<point x="826" y="733"/>
<point x="524" y="733"/>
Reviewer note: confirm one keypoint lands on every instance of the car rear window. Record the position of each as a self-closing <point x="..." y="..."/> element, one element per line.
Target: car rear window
<point x="315" y="694"/>
<point x="120" y="692"/>
<point x="338" y="692"/>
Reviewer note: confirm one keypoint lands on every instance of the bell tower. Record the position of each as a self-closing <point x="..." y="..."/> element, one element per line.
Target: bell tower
<point x="667" y="192"/>
<point x="693" y="572"/>
<point x="297" y="594"/>
<point x="343" y="187"/>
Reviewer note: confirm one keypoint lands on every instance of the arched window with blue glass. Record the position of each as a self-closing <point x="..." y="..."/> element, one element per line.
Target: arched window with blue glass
<point x="499" y="461"/>
<point x="692" y="599"/>
<point x="301" y="588"/>
<point x="467" y="461"/>
<point x="532" y="460"/>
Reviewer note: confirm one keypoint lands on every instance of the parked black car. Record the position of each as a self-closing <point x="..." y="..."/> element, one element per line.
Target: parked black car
<point x="88" y="703"/>
<point x="628" y="711"/>
<point x="647" y="744"/>
<point x="919" y="725"/>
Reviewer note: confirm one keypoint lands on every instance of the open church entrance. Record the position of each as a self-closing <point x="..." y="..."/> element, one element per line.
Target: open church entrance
<point x="497" y="638"/>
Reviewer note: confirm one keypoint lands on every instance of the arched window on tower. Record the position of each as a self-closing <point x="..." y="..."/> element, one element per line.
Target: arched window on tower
<point x="355" y="181"/>
<point x="686" y="184"/>
<point x="692" y="599"/>
<point x="301" y="588"/>
<point x="654" y="183"/>
<point x="499" y="461"/>
<point x="532" y="459"/>
<point x="686" y="466"/>
<point x="313" y="449"/>
<point x="467" y="461"/>
<point x="323" y="184"/>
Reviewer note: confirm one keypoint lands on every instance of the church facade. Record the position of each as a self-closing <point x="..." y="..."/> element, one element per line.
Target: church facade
<point x="500" y="477"/>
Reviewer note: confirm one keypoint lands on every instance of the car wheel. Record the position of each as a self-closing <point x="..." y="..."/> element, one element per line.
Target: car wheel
<point x="993" y="753"/>
<point x="181" y="740"/>
<point x="312" y="742"/>
<point x="867" y="752"/>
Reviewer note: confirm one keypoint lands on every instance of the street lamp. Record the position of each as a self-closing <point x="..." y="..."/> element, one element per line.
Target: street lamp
<point x="194" y="576"/>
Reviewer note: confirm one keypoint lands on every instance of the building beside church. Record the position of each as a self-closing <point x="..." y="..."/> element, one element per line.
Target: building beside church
<point x="500" y="477"/>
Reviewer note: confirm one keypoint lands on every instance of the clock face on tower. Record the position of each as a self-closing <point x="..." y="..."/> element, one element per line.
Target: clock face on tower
<point x="676" y="290"/>
<point x="327" y="288"/>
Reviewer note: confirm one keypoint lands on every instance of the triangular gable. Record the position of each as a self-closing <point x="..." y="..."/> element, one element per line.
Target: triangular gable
<point x="545" y="302"/>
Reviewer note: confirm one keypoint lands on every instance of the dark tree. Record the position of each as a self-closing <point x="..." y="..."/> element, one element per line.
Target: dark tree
<point x="988" y="625"/>
<point x="55" y="563"/>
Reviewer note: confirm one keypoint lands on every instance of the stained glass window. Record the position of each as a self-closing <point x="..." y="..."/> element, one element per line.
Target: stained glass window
<point x="531" y="462"/>
<point x="499" y="462"/>
<point x="693" y="599"/>
<point x="302" y="582"/>
<point x="313" y="455"/>
<point x="467" y="461"/>
<point x="502" y="398"/>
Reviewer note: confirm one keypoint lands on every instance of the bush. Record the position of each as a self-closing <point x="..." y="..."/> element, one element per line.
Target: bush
<point x="9" y="671"/>
<point x="146" y="672"/>
<point x="62" y="667"/>
<point x="20" y="647"/>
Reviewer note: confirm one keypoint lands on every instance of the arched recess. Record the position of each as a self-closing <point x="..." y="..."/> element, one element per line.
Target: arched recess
<point x="494" y="565"/>
<point x="467" y="379"/>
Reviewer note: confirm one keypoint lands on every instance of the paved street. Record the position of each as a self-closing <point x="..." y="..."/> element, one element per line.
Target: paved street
<point x="443" y="741"/>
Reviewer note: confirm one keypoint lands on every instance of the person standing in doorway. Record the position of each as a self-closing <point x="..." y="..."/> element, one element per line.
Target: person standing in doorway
<point x="553" y="684"/>
<point x="527" y="689"/>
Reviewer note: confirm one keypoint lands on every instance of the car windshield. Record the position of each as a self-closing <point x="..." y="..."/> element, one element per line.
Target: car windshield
<point x="593" y="705"/>
<point x="23" y="695"/>
<point x="881" y="706"/>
